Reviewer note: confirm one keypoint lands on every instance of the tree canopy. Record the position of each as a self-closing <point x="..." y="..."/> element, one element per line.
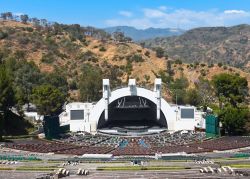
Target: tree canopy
<point x="230" y="87"/>
<point x="90" y="83"/>
<point x="6" y="91"/>
<point x="178" y="88"/>
<point x="48" y="99"/>
<point x="234" y="119"/>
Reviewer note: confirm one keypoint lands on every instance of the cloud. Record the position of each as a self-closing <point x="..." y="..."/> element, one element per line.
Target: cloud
<point x="181" y="18"/>
<point x="126" y="13"/>
<point x="163" y="8"/>
<point x="234" y="12"/>
<point x="153" y="13"/>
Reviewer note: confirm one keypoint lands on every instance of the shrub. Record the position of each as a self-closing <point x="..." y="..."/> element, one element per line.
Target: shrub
<point x="180" y="68"/>
<point x="211" y="65"/>
<point x="202" y="64"/>
<point x="178" y="61"/>
<point x="219" y="64"/>
<point x="29" y="29"/>
<point x="102" y="49"/>
<point x="87" y="56"/>
<point x="203" y="72"/>
<point x="73" y="85"/>
<point x="23" y="40"/>
<point x="147" y="53"/>
<point x="136" y="58"/>
<point x="159" y="52"/>
<point x="3" y="35"/>
<point x="48" y="58"/>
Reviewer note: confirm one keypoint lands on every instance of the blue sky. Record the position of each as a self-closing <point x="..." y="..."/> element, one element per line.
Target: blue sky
<point x="141" y="14"/>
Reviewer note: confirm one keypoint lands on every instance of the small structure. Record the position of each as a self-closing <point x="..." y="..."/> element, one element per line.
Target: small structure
<point x="76" y="116"/>
<point x="30" y="111"/>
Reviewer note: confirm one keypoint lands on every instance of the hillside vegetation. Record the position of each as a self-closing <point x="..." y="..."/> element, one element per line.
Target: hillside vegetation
<point x="212" y="45"/>
<point x="72" y="51"/>
<point x="68" y="49"/>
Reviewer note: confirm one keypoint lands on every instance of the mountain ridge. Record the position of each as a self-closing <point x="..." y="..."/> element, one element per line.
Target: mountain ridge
<point x="143" y="34"/>
<point x="226" y="45"/>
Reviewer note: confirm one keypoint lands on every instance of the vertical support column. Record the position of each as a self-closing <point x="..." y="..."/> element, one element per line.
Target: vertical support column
<point x="106" y="94"/>
<point x="157" y="89"/>
<point x="132" y="87"/>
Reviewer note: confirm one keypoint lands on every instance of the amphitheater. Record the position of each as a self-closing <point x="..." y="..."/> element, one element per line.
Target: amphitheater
<point x="130" y="128"/>
<point x="131" y="121"/>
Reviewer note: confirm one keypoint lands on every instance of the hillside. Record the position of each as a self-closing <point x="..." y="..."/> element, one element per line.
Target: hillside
<point x="143" y="34"/>
<point x="226" y="45"/>
<point x="60" y="48"/>
<point x="68" y="49"/>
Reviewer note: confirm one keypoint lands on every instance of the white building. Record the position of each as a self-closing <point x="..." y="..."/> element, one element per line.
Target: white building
<point x="130" y="108"/>
<point x="30" y="111"/>
<point x="77" y="116"/>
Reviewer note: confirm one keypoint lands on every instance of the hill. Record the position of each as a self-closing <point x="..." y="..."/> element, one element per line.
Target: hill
<point x="143" y="34"/>
<point x="226" y="45"/>
<point x="68" y="49"/>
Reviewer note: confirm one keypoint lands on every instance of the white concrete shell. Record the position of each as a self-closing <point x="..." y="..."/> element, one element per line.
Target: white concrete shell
<point x="152" y="96"/>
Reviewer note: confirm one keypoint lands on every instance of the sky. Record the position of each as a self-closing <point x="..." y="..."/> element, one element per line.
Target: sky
<point x="184" y="14"/>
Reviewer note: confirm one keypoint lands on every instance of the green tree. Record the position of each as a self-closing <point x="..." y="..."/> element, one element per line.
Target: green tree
<point x="48" y="99"/>
<point x="90" y="83"/>
<point x="230" y="88"/>
<point x="6" y="91"/>
<point x="170" y="71"/>
<point x="26" y="77"/>
<point x="24" y="18"/>
<point x="234" y="119"/>
<point x="159" y="52"/>
<point x="178" y="88"/>
<point x="57" y="80"/>
<point x="6" y="96"/>
<point x="193" y="97"/>
<point x="205" y="91"/>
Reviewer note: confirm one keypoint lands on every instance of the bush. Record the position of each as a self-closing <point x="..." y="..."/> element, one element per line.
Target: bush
<point x="29" y="29"/>
<point x="147" y="53"/>
<point x="178" y="61"/>
<point x="203" y="72"/>
<point x="48" y="58"/>
<point x="3" y="35"/>
<point x="219" y="64"/>
<point x="136" y="58"/>
<point x="73" y="85"/>
<point x="102" y="49"/>
<point x="211" y="65"/>
<point x="23" y="40"/>
<point x="159" y="52"/>
<point x="87" y="56"/>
